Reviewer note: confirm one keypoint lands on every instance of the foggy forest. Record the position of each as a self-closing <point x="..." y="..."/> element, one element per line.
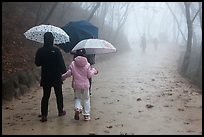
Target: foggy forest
<point x="158" y="61"/>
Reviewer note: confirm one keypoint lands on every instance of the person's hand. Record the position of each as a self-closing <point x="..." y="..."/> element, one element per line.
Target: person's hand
<point x="63" y="78"/>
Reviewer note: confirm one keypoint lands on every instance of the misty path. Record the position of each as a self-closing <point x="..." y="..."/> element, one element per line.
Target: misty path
<point x="133" y="94"/>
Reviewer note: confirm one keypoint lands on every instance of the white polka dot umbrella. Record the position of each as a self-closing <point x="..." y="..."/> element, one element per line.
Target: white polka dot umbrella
<point x="37" y="34"/>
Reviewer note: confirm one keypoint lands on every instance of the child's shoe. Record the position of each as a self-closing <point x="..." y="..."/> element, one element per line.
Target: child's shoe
<point x="87" y="117"/>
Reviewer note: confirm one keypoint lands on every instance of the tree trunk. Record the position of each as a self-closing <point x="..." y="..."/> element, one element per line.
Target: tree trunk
<point x="186" y="60"/>
<point x="199" y="69"/>
<point x="63" y="13"/>
<point x="93" y="11"/>
<point x="110" y="31"/>
<point x="122" y="22"/>
<point x="200" y="15"/>
<point x="38" y="13"/>
<point x="50" y="13"/>
<point x="176" y="22"/>
<point x="103" y="14"/>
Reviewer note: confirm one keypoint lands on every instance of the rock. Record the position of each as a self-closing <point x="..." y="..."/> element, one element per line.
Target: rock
<point x="139" y="99"/>
<point x="109" y="126"/>
<point x="23" y="78"/>
<point x="7" y="89"/>
<point x="97" y="118"/>
<point x="149" y="106"/>
<point x="23" y="88"/>
<point x="17" y="93"/>
<point x="180" y="109"/>
<point x="106" y="131"/>
<point x="92" y="133"/>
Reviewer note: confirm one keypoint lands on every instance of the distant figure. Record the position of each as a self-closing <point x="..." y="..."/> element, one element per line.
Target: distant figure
<point x="81" y="71"/>
<point x="52" y="67"/>
<point x="91" y="60"/>
<point x="143" y="43"/>
<point x="155" y="43"/>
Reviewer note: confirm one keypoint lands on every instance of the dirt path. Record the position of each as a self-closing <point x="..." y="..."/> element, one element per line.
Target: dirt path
<point x="133" y="94"/>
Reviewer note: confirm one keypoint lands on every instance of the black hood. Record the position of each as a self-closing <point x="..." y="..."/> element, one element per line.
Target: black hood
<point x="48" y="39"/>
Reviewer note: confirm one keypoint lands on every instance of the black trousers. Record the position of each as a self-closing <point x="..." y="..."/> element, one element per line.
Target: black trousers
<point x="46" y="96"/>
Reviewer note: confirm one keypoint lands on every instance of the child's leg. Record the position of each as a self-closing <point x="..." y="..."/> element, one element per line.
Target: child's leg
<point x="86" y="102"/>
<point x="77" y="103"/>
<point x="77" y="100"/>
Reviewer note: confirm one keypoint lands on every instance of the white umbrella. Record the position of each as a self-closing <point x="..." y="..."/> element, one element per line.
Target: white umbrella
<point x="94" y="46"/>
<point x="37" y="34"/>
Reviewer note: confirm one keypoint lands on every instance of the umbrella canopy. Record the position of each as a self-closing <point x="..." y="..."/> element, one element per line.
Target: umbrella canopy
<point x="37" y="34"/>
<point x="94" y="46"/>
<point x="78" y="30"/>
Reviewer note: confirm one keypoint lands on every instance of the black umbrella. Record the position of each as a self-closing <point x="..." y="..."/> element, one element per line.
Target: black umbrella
<point x="77" y="31"/>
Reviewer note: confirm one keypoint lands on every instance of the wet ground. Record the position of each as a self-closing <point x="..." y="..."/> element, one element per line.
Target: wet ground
<point x="133" y="94"/>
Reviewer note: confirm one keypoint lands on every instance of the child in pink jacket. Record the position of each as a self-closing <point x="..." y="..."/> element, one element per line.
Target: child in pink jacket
<point x="81" y="71"/>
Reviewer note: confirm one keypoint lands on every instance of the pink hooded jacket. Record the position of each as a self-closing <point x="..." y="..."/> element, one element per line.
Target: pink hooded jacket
<point x="80" y="70"/>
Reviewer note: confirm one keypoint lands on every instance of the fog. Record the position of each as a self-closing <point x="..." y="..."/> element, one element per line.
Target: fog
<point x="149" y="18"/>
<point x="173" y="24"/>
<point x="166" y="21"/>
<point x="123" y="24"/>
<point x="155" y="20"/>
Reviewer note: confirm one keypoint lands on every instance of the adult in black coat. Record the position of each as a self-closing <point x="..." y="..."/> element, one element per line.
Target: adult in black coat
<point x="91" y="60"/>
<point x="52" y="67"/>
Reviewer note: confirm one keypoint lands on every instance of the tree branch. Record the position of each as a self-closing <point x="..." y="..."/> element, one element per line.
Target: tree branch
<point x="93" y="11"/>
<point x="176" y="21"/>
<point x="196" y="14"/>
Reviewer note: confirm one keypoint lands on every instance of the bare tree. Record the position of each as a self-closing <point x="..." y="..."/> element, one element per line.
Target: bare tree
<point x="39" y="10"/>
<point x="110" y="22"/>
<point x="199" y="69"/>
<point x="186" y="60"/>
<point x="101" y="16"/>
<point x="78" y="3"/>
<point x="87" y="5"/>
<point x="63" y="12"/>
<point x="177" y="22"/>
<point x="94" y="10"/>
<point x="122" y="18"/>
<point x="50" y="13"/>
<point x="200" y="14"/>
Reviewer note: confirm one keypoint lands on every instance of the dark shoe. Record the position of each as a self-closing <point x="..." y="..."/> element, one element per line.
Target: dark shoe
<point x="62" y="114"/>
<point x="43" y="119"/>
<point x="76" y="116"/>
